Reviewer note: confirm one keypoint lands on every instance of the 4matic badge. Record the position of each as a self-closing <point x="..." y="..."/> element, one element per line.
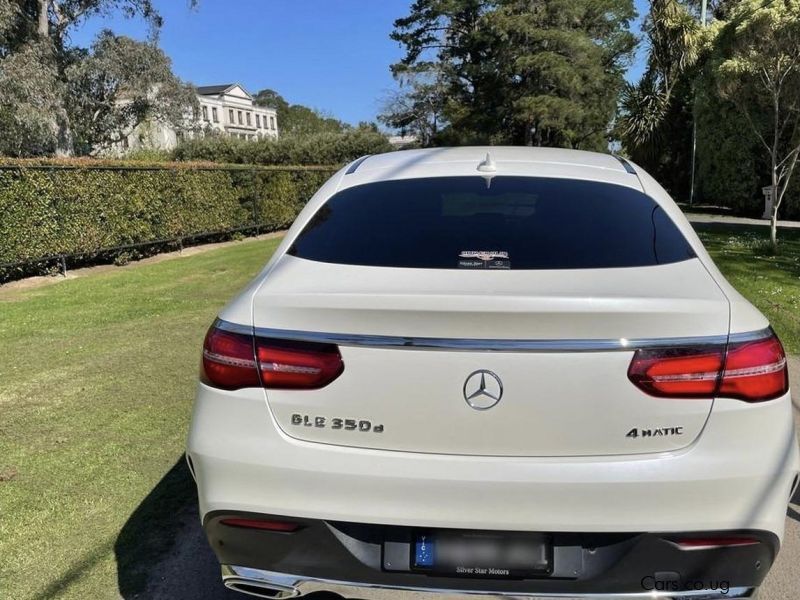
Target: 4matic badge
<point x="656" y="432"/>
<point x="319" y="422"/>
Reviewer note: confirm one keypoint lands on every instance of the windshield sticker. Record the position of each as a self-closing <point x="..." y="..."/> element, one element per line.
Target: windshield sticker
<point x="483" y="259"/>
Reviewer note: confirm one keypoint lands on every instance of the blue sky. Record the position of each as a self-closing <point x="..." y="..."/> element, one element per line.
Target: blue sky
<point x="333" y="55"/>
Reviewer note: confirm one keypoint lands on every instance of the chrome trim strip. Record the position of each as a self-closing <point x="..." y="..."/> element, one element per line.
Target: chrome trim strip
<point x="282" y="585"/>
<point x="490" y="345"/>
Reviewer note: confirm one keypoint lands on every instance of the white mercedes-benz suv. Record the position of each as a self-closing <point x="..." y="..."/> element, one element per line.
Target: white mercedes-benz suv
<point x="493" y="371"/>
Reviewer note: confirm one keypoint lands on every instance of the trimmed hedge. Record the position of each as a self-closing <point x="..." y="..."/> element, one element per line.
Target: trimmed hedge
<point x="317" y="149"/>
<point x="89" y="210"/>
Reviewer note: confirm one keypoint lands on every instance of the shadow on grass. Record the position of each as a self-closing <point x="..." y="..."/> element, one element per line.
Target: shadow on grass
<point x="161" y="550"/>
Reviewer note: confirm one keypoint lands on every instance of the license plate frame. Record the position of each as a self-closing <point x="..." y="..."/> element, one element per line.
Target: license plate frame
<point x="481" y="554"/>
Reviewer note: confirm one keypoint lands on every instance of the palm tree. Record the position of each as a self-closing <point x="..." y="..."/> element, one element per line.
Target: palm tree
<point x="674" y="40"/>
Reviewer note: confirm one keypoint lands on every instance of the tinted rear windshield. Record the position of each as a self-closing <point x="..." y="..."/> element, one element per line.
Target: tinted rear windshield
<point x="510" y="223"/>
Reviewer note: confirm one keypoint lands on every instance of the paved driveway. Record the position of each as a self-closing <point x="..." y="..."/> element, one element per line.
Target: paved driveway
<point x="191" y="571"/>
<point x="709" y="218"/>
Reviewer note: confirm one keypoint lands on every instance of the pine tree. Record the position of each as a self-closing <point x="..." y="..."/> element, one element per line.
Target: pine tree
<point x="521" y="71"/>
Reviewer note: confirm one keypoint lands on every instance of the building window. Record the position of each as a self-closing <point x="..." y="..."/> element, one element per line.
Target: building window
<point x="248" y="118"/>
<point x="239" y="116"/>
<point x="272" y="123"/>
<point x="214" y="115"/>
<point x="205" y="113"/>
<point x="258" y="121"/>
<point x="230" y="116"/>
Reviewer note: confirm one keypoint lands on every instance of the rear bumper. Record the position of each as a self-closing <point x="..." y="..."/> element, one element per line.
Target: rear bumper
<point x="368" y="561"/>
<point x="269" y="584"/>
<point x="737" y="475"/>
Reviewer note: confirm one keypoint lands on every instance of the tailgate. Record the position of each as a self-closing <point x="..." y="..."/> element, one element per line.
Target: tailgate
<point x="511" y="363"/>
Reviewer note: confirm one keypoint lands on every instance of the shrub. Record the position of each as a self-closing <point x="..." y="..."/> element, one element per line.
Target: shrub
<point x="317" y="149"/>
<point x="86" y="210"/>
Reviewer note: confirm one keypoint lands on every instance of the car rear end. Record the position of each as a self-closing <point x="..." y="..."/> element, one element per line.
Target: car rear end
<point x="526" y="379"/>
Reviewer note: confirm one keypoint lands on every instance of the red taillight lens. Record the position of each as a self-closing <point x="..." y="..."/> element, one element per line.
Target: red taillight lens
<point x="753" y="371"/>
<point x="677" y="373"/>
<point x="233" y="361"/>
<point x="229" y="360"/>
<point x="297" y="365"/>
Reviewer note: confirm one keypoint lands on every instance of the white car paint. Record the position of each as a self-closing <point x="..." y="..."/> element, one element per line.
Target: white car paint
<point x="553" y="455"/>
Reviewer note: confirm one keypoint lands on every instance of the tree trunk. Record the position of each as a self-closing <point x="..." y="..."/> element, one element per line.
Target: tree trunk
<point x="43" y="27"/>
<point x="773" y="227"/>
<point x="65" y="145"/>
<point x="773" y="222"/>
<point x="529" y="133"/>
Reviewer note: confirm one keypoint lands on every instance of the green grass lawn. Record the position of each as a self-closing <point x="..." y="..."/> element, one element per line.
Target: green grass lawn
<point x="97" y="376"/>
<point x="770" y="282"/>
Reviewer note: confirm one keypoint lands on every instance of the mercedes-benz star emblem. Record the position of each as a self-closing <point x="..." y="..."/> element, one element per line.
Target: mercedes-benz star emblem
<point x="483" y="389"/>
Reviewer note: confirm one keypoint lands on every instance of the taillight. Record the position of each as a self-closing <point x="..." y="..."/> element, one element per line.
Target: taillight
<point x="753" y="371"/>
<point x="297" y="365"/>
<point x="677" y="373"/>
<point x="229" y="360"/>
<point x="233" y="360"/>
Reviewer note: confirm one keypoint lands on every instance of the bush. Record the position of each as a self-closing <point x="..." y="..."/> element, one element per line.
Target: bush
<point x="317" y="149"/>
<point x="86" y="211"/>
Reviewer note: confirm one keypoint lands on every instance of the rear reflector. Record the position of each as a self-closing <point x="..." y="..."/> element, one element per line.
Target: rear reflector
<point x="232" y="361"/>
<point x="709" y="543"/>
<point x="282" y="526"/>
<point x="753" y="371"/>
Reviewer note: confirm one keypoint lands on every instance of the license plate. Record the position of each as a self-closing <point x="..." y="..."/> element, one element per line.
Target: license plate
<point x="482" y="554"/>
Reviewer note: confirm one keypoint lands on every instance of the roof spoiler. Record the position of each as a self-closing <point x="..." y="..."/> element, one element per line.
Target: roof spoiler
<point x="628" y="167"/>
<point x="356" y="163"/>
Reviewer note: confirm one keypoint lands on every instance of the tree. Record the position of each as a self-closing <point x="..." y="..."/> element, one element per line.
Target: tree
<point x="272" y="99"/>
<point x="417" y="107"/>
<point x="31" y="103"/>
<point x="119" y="85"/>
<point x="568" y="61"/>
<point x="517" y="71"/>
<point x="758" y="61"/>
<point x="35" y="57"/>
<point x="8" y="16"/>
<point x="54" y="18"/>
<point x="296" y="119"/>
<point x="674" y="38"/>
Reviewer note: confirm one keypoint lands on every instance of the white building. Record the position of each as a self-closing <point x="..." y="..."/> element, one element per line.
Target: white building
<point x="225" y="109"/>
<point x="229" y="109"/>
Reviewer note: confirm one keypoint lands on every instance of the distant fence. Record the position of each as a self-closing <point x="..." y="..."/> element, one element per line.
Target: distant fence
<point x="58" y="216"/>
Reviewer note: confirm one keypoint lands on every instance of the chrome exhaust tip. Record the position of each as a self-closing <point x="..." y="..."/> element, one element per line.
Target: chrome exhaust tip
<point x="254" y="582"/>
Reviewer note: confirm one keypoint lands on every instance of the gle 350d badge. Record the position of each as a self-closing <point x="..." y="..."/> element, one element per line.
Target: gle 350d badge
<point x="363" y="425"/>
